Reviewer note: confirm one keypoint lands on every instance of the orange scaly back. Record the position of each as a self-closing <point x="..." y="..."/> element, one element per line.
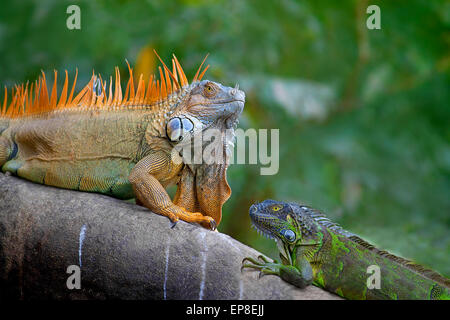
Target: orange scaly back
<point x="34" y="99"/>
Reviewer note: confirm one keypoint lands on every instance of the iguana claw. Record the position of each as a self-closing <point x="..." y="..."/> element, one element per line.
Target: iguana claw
<point x="213" y="224"/>
<point x="265" y="267"/>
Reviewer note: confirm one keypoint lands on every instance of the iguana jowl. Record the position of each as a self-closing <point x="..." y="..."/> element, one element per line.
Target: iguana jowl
<point x="121" y="145"/>
<point x="315" y="250"/>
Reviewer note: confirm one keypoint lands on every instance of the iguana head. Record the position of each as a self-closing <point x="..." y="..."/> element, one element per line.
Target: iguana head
<point x="275" y="220"/>
<point x="207" y="104"/>
<point x="288" y="224"/>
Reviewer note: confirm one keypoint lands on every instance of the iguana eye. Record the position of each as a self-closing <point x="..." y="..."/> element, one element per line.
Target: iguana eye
<point x="277" y="207"/>
<point x="289" y="235"/>
<point x="209" y="90"/>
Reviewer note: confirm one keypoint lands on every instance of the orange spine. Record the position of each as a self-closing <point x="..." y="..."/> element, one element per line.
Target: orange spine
<point x="35" y="99"/>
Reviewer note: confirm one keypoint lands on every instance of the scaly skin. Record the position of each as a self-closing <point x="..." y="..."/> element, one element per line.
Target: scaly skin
<point x="121" y="147"/>
<point x="315" y="250"/>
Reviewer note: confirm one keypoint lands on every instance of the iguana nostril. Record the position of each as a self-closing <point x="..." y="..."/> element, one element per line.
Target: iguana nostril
<point x="235" y="90"/>
<point x="238" y="94"/>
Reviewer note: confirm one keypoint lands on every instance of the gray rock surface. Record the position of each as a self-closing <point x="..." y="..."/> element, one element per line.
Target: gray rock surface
<point x="124" y="250"/>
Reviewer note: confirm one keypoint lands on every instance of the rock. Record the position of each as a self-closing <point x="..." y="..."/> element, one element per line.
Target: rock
<point x="124" y="251"/>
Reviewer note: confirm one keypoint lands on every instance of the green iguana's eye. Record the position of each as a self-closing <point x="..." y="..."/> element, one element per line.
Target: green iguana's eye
<point x="277" y="207"/>
<point x="289" y="235"/>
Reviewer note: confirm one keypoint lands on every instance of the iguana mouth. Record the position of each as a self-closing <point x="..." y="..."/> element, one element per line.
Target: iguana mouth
<point x="263" y="231"/>
<point x="218" y="102"/>
<point x="256" y="218"/>
<point x="231" y="109"/>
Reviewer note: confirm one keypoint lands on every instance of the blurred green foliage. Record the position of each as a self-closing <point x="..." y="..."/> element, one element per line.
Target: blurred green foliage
<point x="364" y="115"/>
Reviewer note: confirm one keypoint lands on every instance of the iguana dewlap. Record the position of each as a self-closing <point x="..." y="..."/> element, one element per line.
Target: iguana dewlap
<point x="121" y="144"/>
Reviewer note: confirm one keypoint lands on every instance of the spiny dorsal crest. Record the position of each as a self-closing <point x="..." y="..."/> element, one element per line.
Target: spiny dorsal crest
<point x="306" y="214"/>
<point x="433" y="275"/>
<point x="34" y="99"/>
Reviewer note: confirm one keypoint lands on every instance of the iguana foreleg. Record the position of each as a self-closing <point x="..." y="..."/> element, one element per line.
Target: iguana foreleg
<point x="300" y="274"/>
<point x="146" y="179"/>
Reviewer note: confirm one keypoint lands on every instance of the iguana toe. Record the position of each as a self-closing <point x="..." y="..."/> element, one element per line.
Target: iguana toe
<point x="173" y="224"/>
<point x="179" y="213"/>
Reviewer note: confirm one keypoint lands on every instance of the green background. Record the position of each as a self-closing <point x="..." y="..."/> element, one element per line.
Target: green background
<point x="364" y="115"/>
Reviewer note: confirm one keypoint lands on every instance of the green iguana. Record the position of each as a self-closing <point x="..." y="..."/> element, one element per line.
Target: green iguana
<point x="121" y="145"/>
<point x="315" y="250"/>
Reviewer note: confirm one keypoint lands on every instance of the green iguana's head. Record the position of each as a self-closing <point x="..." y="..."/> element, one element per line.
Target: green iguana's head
<point x="207" y="104"/>
<point x="275" y="220"/>
<point x="289" y="224"/>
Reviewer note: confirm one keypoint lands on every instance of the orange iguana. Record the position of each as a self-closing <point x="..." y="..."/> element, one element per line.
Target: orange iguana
<point x="101" y="141"/>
